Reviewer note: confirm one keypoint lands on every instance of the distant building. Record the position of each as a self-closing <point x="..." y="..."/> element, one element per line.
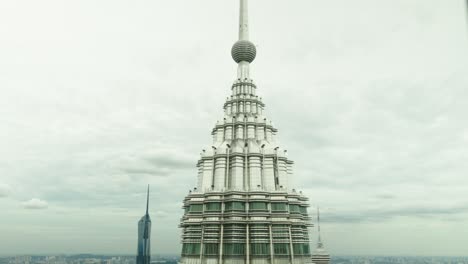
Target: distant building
<point x="144" y="237"/>
<point x="320" y="255"/>
<point x="244" y="209"/>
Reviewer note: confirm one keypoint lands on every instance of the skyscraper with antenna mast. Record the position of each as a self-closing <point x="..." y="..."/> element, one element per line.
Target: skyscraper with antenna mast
<point x="320" y="255"/>
<point x="144" y="236"/>
<point x="244" y="208"/>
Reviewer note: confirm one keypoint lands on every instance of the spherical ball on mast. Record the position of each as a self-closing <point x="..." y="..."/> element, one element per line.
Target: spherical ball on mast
<point x="243" y="50"/>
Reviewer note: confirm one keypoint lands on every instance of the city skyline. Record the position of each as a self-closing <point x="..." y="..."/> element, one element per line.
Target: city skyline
<point x="98" y="99"/>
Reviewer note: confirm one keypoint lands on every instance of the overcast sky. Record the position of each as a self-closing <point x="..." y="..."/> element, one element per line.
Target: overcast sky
<point x="99" y="98"/>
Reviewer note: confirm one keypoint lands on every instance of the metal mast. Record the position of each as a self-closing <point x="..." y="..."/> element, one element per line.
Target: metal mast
<point x="243" y="20"/>
<point x="147" y="200"/>
<point x="319" y="243"/>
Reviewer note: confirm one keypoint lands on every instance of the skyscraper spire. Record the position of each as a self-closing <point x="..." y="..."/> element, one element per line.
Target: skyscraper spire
<point x="147" y="200"/>
<point x="243" y="52"/>
<point x="144" y="236"/>
<point x="244" y="209"/>
<point x="320" y="255"/>
<point x="319" y="243"/>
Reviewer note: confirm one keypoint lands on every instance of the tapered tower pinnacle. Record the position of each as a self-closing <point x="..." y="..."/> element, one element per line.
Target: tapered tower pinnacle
<point x="320" y="255"/>
<point x="144" y="236"/>
<point x="243" y="209"/>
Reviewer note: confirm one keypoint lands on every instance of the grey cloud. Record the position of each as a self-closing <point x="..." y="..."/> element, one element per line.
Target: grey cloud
<point x="381" y="215"/>
<point x="161" y="214"/>
<point x="386" y="196"/>
<point x="156" y="164"/>
<point x="35" y="203"/>
<point x="171" y="161"/>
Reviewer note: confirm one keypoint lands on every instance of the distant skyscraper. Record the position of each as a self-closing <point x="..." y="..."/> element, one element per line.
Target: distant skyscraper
<point x="320" y="255"/>
<point x="144" y="237"/>
<point x="244" y="209"/>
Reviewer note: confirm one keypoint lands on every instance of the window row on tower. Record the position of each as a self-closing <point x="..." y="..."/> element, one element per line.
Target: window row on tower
<point x="237" y="206"/>
<point x="244" y="88"/>
<point x="258" y="233"/>
<point x="239" y="249"/>
<point x="230" y="132"/>
<point x="243" y="106"/>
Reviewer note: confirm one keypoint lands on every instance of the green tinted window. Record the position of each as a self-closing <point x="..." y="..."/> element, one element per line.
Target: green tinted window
<point x="298" y="249"/>
<point x="210" y="248"/>
<point x="306" y="248"/>
<point x="196" y="208"/>
<point x="258" y="206"/>
<point x="275" y="207"/>
<point x="234" y="249"/>
<point x="294" y="208"/>
<point x="281" y="248"/>
<point x="303" y="209"/>
<point x="213" y="207"/>
<point x="260" y="249"/>
<point x="280" y="226"/>
<point x="235" y="206"/>
<point x="191" y="249"/>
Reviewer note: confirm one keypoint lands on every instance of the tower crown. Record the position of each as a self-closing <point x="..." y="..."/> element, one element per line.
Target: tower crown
<point x="243" y="209"/>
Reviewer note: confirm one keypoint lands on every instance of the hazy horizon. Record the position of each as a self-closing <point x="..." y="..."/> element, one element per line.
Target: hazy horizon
<point x="100" y="98"/>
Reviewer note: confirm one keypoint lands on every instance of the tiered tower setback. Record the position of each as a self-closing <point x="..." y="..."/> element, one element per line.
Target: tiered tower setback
<point x="244" y="208"/>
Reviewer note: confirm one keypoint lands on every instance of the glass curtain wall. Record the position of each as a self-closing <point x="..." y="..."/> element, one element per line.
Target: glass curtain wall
<point x="281" y="249"/>
<point x="210" y="249"/>
<point x="213" y="207"/>
<point x="191" y="249"/>
<point x="260" y="249"/>
<point x="294" y="208"/>
<point x="301" y="249"/>
<point x="279" y="207"/>
<point x="234" y="206"/>
<point x="196" y="208"/>
<point x="298" y="249"/>
<point x="258" y="206"/>
<point x="233" y="249"/>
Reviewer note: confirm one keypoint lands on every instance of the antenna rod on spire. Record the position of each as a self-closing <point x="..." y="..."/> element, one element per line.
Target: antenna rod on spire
<point x="244" y="21"/>
<point x="318" y="224"/>
<point x="147" y="200"/>
<point x="318" y="218"/>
